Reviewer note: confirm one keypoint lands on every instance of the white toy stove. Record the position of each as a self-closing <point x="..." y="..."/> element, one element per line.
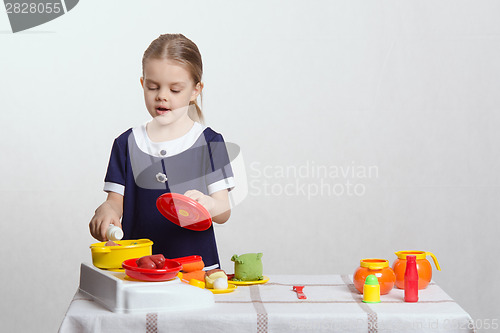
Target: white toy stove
<point x="119" y="293"/>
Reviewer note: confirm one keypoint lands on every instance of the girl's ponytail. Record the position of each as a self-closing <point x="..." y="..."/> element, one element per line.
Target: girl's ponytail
<point x="195" y="112"/>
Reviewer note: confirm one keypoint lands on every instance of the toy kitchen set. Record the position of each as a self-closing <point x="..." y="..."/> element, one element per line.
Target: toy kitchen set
<point x="126" y="277"/>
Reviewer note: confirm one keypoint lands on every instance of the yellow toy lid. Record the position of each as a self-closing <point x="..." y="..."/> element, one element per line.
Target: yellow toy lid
<point x="373" y="263"/>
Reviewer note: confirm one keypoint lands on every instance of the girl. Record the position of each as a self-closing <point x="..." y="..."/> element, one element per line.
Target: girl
<point x="173" y="152"/>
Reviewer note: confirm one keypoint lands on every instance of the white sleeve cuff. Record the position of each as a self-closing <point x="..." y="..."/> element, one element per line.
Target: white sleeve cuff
<point x="223" y="184"/>
<point x="210" y="267"/>
<point x="114" y="187"/>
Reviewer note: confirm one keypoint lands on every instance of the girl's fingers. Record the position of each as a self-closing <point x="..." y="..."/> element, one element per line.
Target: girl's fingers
<point x="194" y="194"/>
<point x="95" y="231"/>
<point x="202" y="201"/>
<point x="103" y="228"/>
<point x="207" y="202"/>
<point x="96" y="227"/>
<point x="102" y="231"/>
<point x="92" y="227"/>
<point x="117" y="223"/>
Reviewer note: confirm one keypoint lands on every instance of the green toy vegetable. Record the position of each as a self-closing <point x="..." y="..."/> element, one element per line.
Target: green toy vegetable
<point x="247" y="267"/>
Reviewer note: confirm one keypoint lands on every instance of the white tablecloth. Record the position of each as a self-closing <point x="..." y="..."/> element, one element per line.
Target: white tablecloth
<point x="332" y="305"/>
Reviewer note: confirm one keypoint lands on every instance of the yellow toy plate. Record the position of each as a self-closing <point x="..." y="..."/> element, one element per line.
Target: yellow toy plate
<point x="248" y="283"/>
<point x="230" y="289"/>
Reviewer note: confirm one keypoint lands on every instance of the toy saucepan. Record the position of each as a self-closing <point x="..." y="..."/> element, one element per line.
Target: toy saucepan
<point x="184" y="211"/>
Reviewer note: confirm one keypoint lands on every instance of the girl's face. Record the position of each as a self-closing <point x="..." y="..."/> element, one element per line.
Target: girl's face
<point x="168" y="89"/>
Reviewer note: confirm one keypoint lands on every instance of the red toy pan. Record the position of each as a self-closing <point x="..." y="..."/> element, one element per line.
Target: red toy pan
<point x="184" y="211"/>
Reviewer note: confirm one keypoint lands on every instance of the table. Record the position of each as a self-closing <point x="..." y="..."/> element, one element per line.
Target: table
<point x="332" y="304"/>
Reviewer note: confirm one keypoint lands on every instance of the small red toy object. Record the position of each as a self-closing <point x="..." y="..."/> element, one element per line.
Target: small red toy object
<point x="168" y="272"/>
<point x="300" y="294"/>
<point x="184" y="211"/>
<point x="151" y="262"/>
<point x="411" y="279"/>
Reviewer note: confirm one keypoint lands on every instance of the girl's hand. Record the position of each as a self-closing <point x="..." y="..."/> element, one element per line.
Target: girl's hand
<point x="205" y="200"/>
<point x="217" y="204"/>
<point x="107" y="213"/>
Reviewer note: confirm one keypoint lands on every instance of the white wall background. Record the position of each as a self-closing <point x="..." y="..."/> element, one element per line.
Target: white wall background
<point x="407" y="87"/>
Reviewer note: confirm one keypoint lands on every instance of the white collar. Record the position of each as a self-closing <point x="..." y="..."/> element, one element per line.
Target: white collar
<point x="166" y="148"/>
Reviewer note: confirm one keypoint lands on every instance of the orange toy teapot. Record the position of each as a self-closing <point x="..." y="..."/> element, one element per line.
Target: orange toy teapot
<point x="378" y="267"/>
<point x="424" y="268"/>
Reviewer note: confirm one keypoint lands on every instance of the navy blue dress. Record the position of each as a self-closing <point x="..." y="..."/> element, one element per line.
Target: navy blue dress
<point x="142" y="170"/>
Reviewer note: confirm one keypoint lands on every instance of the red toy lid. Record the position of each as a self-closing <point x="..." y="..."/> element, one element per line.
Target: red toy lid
<point x="184" y="211"/>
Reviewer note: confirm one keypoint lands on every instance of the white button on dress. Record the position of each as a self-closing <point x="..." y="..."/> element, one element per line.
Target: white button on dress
<point x="161" y="177"/>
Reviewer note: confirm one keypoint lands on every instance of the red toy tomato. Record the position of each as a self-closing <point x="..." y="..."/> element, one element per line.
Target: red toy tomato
<point x="156" y="261"/>
<point x="146" y="263"/>
<point x="159" y="260"/>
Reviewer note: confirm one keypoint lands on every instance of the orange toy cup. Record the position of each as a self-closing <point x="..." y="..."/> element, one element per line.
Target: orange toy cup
<point x="378" y="267"/>
<point x="424" y="268"/>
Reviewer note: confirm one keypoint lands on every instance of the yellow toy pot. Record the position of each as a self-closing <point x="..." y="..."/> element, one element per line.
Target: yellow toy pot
<point x="111" y="257"/>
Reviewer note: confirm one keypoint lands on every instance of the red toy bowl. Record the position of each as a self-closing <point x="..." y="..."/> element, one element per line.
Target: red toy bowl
<point x="169" y="272"/>
<point x="184" y="211"/>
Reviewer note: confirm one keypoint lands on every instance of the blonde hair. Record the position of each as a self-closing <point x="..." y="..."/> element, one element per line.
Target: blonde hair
<point x="177" y="47"/>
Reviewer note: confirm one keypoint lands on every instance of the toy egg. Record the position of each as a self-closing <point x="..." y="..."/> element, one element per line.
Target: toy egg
<point x="220" y="283"/>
